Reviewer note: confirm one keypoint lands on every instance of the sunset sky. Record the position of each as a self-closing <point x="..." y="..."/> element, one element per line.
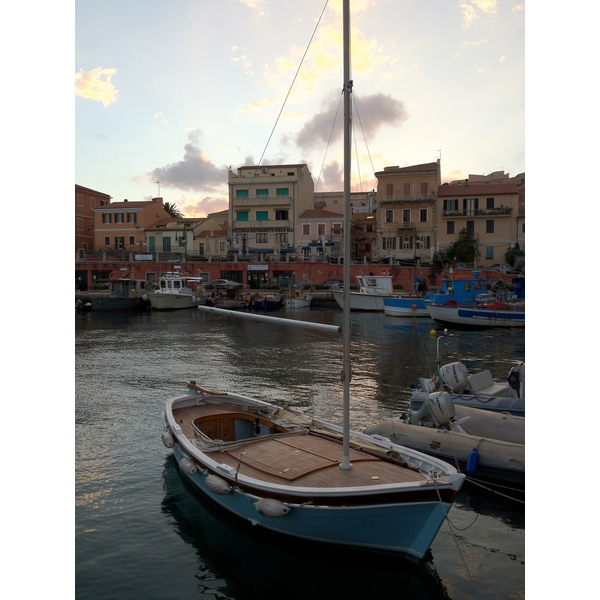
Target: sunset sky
<point x="178" y="92"/>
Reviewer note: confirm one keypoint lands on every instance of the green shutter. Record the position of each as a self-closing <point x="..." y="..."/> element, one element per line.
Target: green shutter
<point x="262" y="215"/>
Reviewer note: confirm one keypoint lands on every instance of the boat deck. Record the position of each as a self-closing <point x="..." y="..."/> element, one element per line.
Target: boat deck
<point x="291" y="458"/>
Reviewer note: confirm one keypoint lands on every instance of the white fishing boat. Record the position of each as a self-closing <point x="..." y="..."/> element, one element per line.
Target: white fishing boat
<point x="297" y="299"/>
<point x="497" y="314"/>
<point x="286" y="472"/>
<point x="176" y="291"/>
<point x="372" y="289"/>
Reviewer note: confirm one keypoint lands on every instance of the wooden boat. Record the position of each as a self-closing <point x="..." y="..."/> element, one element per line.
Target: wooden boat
<point x="488" y="446"/>
<point x="372" y="289"/>
<point x="497" y="314"/>
<point x="267" y="301"/>
<point x="124" y="293"/>
<point x="463" y="291"/>
<point x="303" y="477"/>
<point x="175" y="291"/>
<point x="478" y="390"/>
<point x="296" y="299"/>
<point x="223" y="293"/>
<point x="283" y="471"/>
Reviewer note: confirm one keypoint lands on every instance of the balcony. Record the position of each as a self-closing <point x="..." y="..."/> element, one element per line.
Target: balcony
<point x="503" y="211"/>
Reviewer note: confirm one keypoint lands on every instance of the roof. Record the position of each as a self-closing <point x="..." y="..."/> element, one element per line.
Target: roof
<point x="424" y="167"/>
<point x="485" y="189"/>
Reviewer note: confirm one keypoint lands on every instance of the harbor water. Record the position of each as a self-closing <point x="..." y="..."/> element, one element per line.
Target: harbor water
<point x="142" y="533"/>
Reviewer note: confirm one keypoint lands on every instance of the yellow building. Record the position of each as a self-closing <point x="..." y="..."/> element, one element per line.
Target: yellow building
<point x="488" y="212"/>
<point x="264" y="205"/>
<point x="406" y="211"/>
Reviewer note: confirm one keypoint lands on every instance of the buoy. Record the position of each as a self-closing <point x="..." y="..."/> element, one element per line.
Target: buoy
<point x="188" y="466"/>
<point x="432" y="333"/>
<point x="472" y="462"/>
<point x="167" y="439"/>
<point x="268" y="507"/>
<point x="217" y="485"/>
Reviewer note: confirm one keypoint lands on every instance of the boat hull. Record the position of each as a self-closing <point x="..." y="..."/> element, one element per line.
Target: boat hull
<point x="160" y="301"/>
<point x="296" y="303"/>
<point x="476" y="317"/>
<point x="405" y="307"/>
<point x="500" y="404"/>
<point x="118" y="304"/>
<point x="366" y="302"/>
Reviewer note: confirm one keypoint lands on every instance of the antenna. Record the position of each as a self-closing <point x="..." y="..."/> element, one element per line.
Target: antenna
<point x="440" y="155"/>
<point x="158" y="184"/>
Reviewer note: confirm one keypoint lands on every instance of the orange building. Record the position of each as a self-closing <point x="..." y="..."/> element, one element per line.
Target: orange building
<point x="86" y="200"/>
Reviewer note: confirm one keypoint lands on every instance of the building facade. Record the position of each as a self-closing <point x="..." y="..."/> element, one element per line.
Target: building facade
<point x="86" y="200"/>
<point x="406" y="211"/>
<point x="264" y="205"/>
<point x="122" y="225"/>
<point x="488" y="213"/>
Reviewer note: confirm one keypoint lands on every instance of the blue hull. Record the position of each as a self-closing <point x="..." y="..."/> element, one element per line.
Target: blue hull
<point x="407" y="529"/>
<point x="107" y="304"/>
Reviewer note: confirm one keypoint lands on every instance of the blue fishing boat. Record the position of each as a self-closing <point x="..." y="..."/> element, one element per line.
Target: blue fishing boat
<point x="468" y="291"/>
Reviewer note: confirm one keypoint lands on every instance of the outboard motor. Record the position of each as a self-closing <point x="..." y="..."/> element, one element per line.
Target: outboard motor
<point x="438" y="408"/>
<point x="455" y="375"/>
<point x="514" y="378"/>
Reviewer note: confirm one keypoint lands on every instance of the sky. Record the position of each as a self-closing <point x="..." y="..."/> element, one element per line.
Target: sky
<point x="168" y="96"/>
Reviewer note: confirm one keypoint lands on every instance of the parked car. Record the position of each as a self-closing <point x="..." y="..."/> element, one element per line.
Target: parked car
<point x="282" y="282"/>
<point x="334" y="284"/>
<point x="501" y="268"/>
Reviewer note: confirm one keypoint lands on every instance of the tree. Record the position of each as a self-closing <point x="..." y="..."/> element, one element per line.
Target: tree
<point x="173" y="210"/>
<point x="464" y="249"/>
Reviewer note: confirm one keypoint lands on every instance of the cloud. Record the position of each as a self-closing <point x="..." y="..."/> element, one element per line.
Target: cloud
<point x="194" y="172"/>
<point x="469" y="11"/>
<point x="370" y="113"/>
<point x="202" y="208"/>
<point x="96" y="85"/>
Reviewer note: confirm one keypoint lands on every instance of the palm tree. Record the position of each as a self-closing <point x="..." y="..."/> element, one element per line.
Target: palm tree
<point x="173" y="210"/>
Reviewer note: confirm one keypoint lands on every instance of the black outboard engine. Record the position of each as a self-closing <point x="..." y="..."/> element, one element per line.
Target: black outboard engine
<point x="514" y="380"/>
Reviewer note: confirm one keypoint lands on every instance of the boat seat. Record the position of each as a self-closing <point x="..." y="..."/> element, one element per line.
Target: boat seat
<point x="483" y="383"/>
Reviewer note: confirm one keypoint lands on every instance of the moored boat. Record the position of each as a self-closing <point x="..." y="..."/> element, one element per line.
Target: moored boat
<point x="372" y="289"/>
<point x="496" y="314"/>
<point x="297" y="299"/>
<point x="176" y="291"/>
<point x="124" y="293"/>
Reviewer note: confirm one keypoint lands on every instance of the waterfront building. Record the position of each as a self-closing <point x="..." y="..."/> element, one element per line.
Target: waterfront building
<point x="264" y="204"/>
<point x="86" y="200"/>
<point x="406" y="212"/>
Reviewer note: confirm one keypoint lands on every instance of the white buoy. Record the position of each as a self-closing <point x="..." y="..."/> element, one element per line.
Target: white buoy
<point x="188" y="466"/>
<point x="167" y="439"/>
<point x="268" y="507"/>
<point x="217" y="485"/>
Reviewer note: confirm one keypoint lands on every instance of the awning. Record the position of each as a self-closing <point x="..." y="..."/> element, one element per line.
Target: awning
<point x="261" y="250"/>
<point x="236" y="251"/>
<point x="284" y="250"/>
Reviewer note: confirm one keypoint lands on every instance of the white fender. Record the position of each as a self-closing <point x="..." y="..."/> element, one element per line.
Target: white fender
<point x="217" y="485"/>
<point x="268" y="507"/>
<point x="188" y="466"/>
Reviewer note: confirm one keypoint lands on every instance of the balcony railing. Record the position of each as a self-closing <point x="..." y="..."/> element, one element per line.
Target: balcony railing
<point x="503" y="211"/>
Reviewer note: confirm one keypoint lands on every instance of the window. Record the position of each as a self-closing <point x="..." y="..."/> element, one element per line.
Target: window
<point x="424" y="188"/>
<point x="489" y="203"/>
<point x="389" y="216"/>
<point x="281" y="215"/>
<point x="242" y="215"/>
<point x="131" y="217"/>
<point x="106" y="218"/>
<point x="406" y="215"/>
<point x="336" y="228"/>
<point x="282" y="238"/>
<point x="118" y="217"/>
<point x="262" y="238"/>
<point x="241" y="193"/>
<point x="166" y="242"/>
<point x="489" y="252"/>
<point x="389" y="189"/>
<point x="79" y="200"/>
<point x="471" y="228"/>
<point x="305" y="228"/>
<point x="262" y="193"/>
<point x="407" y="189"/>
<point x="470" y="206"/>
<point x="489" y="226"/>
<point x="407" y="242"/>
<point x="282" y="192"/>
<point x="132" y="240"/>
<point x="451" y="205"/>
<point x="450" y="227"/>
<point x="119" y="242"/>
<point x="107" y="240"/>
<point x="262" y="215"/>
<point x="423" y="215"/>
<point x="201" y="249"/>
<point x="369" y="228"/>
<point x="79" y="224"/>
<point x="389" y="243"/>
<point x="321" y="229"/>
<point x="222" y="246"/>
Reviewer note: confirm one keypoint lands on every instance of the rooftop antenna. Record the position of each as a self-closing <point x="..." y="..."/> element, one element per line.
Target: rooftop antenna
<point x="440" y="155"/>
<point x="158" y="184"/>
